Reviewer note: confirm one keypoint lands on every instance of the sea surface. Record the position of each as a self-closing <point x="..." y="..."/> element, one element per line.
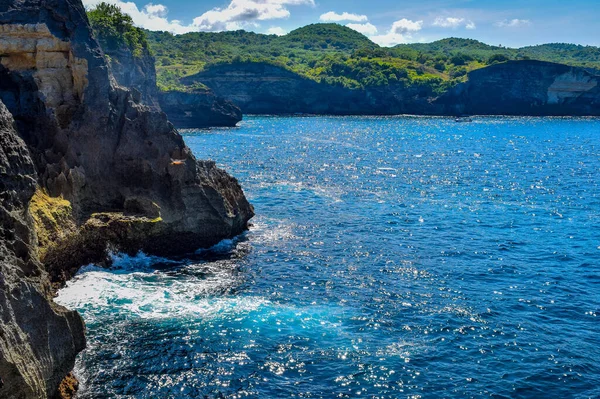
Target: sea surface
<point x="390" y="258"/>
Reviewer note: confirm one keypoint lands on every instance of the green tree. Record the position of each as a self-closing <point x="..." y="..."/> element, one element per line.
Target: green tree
<point x="114" y="29"/>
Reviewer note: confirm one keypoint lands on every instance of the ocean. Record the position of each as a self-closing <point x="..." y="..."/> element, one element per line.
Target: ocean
<point x="396" y="257"/>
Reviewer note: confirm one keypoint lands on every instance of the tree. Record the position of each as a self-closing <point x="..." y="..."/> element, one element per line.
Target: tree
<point x="114" y="29"/>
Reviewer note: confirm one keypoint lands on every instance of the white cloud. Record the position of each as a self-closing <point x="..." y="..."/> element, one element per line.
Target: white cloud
<point x="513" y="23"/>
<point x="276" y="31"/>
<point x="237" y="15"/>
<point x="242" y="12"/>
<point x="400" y="32"/>
<point x="332" y="16"/>
<point x="453" y="22"/>
<point x="404" y="26"/>
<point x="366" y="29"/>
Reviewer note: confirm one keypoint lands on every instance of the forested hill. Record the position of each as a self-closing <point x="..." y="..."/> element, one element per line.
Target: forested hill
<point x="340" y="56"/>
<point x="562" y="53"/>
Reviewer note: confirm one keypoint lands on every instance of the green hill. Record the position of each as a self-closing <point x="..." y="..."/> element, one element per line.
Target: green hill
<point x="324" y="37"/>
<point x="338" y="55"/>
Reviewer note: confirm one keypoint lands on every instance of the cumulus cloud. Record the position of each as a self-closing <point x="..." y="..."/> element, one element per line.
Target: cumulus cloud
<point x="276" y="31"/>
<point x="513" y="23"/>
<point x="242" y="12"/>
<point x="237" y="15"/>
<point x="400" y="32"/>
<point x="453" y="22"/>
<point x="366" y="29"/>
<point x="332" y="16"/>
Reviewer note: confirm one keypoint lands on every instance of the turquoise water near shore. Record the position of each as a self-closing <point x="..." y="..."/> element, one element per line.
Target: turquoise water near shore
<point x="389" y="258"/>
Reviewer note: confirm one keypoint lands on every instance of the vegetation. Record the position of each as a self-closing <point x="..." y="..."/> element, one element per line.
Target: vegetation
<point x="327" y="53"/>
<point x="115" y="29"/>
<point x="338" y="55"/>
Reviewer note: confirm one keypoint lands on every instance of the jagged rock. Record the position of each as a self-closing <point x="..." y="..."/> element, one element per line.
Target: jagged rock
<point x="199" y="109"/>
<point x="38" y="339"/>
<point x="525" y="88"/>
<point x="110" y="173"/>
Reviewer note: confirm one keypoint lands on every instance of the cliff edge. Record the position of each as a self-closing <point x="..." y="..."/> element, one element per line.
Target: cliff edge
<point x="85" y="168"/>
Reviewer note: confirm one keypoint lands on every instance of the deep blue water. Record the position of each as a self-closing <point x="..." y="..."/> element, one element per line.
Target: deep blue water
<point x="389" y="258"/>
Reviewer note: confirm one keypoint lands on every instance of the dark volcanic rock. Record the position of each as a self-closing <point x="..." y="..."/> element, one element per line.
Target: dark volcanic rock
<point x="198" y="109"/>
<point x="525" y="88"/>
<point x="111" y="170"/>
<point x="38" y="339"/>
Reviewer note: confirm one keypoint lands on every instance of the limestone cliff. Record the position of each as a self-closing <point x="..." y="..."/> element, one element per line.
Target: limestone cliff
<point x="525" y="88"/>
<point x="107" y="172"/>
<point x="512" y="88"/>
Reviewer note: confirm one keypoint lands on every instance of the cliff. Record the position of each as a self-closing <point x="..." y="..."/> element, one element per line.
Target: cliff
<point x="135" y="73"/>
<point x="511" y="88"/>
<point x="525" y="88"/>
<point x="85" y="167"/>
<point x="198" y="109"/>
<point x="262" y="88"/>
<point x="133" y="67"/>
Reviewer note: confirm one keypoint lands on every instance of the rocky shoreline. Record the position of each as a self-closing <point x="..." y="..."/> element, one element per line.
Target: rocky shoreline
<point x="85" y="167"/>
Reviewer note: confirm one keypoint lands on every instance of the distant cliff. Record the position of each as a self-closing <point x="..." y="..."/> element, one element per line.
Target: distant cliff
<point x="525" y="88"/>
<point x="510" y="88"/>
<point x="262" y="88"/>
<point x="84" y="168"/>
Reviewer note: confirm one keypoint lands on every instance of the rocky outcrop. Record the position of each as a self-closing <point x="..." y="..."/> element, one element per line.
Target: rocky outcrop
<point x="38" y="339"/>
<point x="107" y="173"/>
<point x="525" y="88"/>
<point x="261" y="88"/>
<point x="199" y="109"/>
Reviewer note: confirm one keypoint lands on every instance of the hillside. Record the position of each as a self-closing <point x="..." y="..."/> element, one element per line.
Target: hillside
<point x="339" y="56"/>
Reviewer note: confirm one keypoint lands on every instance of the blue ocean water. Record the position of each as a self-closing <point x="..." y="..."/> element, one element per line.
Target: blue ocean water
<point x="389" y="258"/>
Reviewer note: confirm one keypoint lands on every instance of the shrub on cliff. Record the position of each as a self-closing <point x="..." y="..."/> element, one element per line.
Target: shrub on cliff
<point x="114" y="29"/>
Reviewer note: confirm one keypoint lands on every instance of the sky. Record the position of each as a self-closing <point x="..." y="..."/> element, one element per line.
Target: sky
<point x="512" y="23"/>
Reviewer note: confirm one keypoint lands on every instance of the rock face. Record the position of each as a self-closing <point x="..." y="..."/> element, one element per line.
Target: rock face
<point x="199" y="109"/>
<point x="525" y="88"/>
<point x="107" y="172"/>
<point x="190" y="109"/>
<point x="38" y="339"/>
<point x="512" y="88"/>
<point x="260" y="88"/>
<point x="137" y="73"/>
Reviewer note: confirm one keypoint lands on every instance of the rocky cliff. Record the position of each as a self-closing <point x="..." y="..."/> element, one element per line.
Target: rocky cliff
<point x="193" y="108"/>
<point x="512" y="88"/>
<point x="198" y="109"/>
<point x="135" y="73"/>
<point x="85" y="168"/>
<point x="261" y="88"/>
<point x="525" y="88"/>
<point x="38" y="339"/>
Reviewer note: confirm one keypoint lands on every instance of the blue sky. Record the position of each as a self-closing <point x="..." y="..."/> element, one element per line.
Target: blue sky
<point x="512" y="23"/>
